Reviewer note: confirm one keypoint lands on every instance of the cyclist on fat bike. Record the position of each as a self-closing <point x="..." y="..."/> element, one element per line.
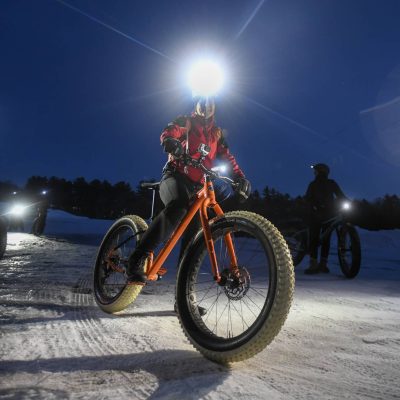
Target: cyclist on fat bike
<point x="321" y="198"/>
<point x="180" y="182"/>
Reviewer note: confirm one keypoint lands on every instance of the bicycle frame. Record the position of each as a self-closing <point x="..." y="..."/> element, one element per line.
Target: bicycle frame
<point x="329" y="226"/>
<point x="205" y="198"/>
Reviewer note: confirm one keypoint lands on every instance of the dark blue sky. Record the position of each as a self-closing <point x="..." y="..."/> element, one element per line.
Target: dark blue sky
<point x="310" y="81"/>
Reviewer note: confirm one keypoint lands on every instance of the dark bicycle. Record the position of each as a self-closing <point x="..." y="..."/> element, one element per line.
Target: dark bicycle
<point x="39" y="223"/>
<point x="348" y="242"/>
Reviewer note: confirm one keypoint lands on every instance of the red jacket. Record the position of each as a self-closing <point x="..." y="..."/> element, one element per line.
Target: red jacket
<point x="211" y="136"/>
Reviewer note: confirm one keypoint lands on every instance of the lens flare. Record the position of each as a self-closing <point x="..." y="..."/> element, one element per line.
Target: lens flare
<point x="205" y="78"/>
<point x="18" y="209"/>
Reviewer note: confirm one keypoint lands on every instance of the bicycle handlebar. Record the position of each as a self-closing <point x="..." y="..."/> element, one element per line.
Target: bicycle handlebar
<point x="187" y="160"/>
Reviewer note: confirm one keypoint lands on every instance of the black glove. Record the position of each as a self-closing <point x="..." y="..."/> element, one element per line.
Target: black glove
<point x="173" y="146"/>
<point x="242" y="189"/>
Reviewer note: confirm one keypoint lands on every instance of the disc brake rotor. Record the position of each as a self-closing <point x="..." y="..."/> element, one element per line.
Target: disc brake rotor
<point x="236" y="283"/>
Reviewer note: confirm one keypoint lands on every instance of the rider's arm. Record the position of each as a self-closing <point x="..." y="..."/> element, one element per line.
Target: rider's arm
<point x="224" y="153"/>
<point x="337" y="191"/>
<point x="309" y="194"/>
<point x="310" y="197"/>
<point x="173" y="137"/>
<point x="175" y="129"/>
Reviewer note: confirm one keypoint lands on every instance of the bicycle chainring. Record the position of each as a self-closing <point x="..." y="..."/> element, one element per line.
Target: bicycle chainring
<point x="113" y="261"/>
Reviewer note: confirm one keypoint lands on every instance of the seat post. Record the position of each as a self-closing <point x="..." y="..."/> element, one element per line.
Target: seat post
<point x="151" y="186"/>
<point x="152" y="205"/>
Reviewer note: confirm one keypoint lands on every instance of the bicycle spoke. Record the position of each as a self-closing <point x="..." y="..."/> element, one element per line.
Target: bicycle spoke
<point x="234" y="304"/>
<point x="116" y="252"/>
<point x="257" y="291"/>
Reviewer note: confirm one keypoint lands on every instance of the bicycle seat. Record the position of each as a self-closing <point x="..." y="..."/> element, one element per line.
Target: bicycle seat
<point x="150" y="185"/>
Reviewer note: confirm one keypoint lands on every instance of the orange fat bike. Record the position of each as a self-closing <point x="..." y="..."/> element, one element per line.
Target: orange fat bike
<point x="237" y="270"/>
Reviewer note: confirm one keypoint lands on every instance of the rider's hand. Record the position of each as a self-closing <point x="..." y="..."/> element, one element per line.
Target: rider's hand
<point x="173" y="146"/>
<point x="242" y="189"/>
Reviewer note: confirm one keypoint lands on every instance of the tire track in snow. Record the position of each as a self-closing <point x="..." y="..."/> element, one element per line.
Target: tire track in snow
<point x="94" y="335"/>
<point x="153" y="369"/>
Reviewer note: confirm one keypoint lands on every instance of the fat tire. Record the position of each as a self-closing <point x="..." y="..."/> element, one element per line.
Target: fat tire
<point x="3" y="238"/>
<point x="129" y="294"/>
<point x="350" y="271"/>
<point x="271" y="323"/>
<point x="292" y="232"/>
<point x="38" y="227"/>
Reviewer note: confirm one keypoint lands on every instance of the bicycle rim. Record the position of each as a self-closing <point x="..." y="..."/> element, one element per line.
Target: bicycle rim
<point x="349" y="251"/>
<point x="297" y="243"/>
<point x="236" y="310"/>
<point x="110" y="280"/>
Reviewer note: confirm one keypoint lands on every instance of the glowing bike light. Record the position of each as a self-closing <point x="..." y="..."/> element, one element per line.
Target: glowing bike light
<point x="17" y="210"/>
<point x="222" y="169"/>
<point x="346" y="205"/>
<point x="205" y="78"/>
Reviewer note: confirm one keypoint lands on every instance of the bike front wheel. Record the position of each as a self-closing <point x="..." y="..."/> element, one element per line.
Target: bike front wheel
<point x="111" y="292"/>
<point x="238" y="317"/>
<point x="349" y="251"/>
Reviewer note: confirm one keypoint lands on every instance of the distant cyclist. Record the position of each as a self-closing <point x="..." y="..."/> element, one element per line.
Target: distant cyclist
<point x="321" y="197"/>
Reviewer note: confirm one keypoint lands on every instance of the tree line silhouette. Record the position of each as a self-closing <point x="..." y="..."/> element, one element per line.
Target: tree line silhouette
<point x="103" y="200"/>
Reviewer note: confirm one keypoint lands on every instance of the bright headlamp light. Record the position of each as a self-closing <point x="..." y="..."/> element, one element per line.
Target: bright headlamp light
<point x="346" y="206"/>
<point x="205" y="78"/>
<point x="18" y="210"/>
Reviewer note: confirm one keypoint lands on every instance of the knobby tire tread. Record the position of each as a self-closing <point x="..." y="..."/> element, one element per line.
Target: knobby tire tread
<point x="351" y="271"/>
<point x="282" y="301"/>
<point x="290" y="232"/>
<point x="130" y="292"/>
<point x="3" y="243"/>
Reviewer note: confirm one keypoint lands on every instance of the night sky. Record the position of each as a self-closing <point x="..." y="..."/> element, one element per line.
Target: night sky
<point x="87" y="86"/>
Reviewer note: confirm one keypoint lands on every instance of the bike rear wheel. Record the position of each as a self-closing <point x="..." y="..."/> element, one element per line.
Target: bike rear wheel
<point x="38" y="226"/>
<point x="109" y="282"/>
<point x="3" y="238"/>
<point x="297" y="242"/>
<point x="247" y="309"/>
<point x="349" y="251"/>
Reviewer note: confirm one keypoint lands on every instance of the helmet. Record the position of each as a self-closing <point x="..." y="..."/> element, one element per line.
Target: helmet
<point x="204" y="107"/>
<point x="321" y="169"/>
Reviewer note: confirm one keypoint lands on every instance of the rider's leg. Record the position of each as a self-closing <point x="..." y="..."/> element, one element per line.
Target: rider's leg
<point x="175" y="193"/>
<point x="315" y="228"/>
<point x="191" y="230"/>
<point x="326" y="244"/>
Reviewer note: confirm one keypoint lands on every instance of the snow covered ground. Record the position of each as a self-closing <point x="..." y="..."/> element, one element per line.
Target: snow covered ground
<point x="341" y="339"/>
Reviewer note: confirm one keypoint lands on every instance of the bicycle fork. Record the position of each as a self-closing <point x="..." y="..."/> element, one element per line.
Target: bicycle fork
<point x="206" y="199"/>
<point x="210" y="202"/>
